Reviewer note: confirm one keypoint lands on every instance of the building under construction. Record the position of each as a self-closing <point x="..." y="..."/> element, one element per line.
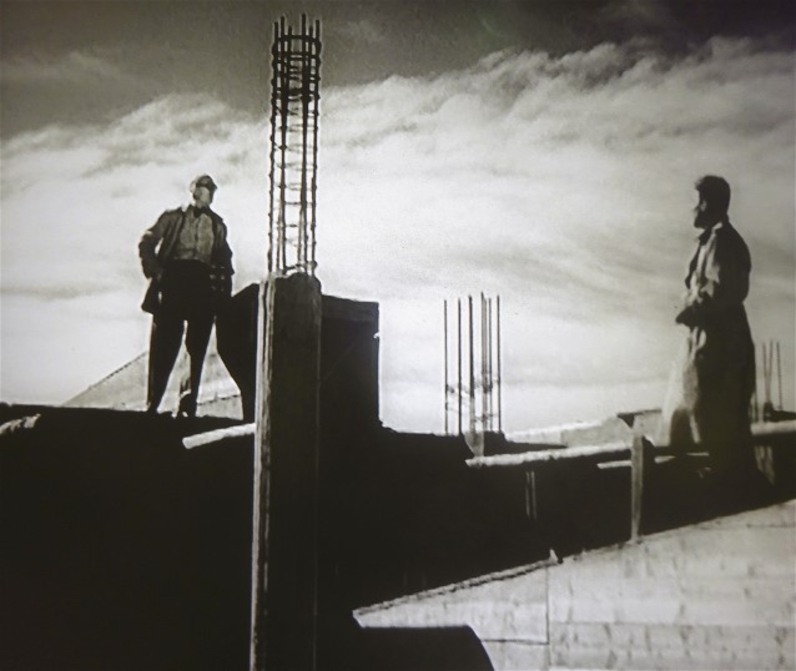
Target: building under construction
<point x="287" y="528"/>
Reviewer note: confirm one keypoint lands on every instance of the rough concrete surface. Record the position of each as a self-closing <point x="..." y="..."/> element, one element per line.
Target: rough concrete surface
<point x="716" y="595"/>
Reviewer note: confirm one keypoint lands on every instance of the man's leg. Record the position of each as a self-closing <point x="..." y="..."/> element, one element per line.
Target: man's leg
<point x="196" y="340"/>
<point x="164" y="345"/>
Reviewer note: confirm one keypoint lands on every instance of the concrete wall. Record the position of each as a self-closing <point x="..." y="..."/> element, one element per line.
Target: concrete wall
<point x="719" y="595"/>
<point x="120" y="549"/>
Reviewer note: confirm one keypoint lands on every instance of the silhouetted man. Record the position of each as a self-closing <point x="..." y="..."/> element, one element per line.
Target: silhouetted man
<point x="189" y="262"/>
<point x="709" y="396"/>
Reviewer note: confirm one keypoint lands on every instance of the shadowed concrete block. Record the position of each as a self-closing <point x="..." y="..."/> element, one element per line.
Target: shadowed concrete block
<point x="513" y="608"/>
<point x="517" y="654"/>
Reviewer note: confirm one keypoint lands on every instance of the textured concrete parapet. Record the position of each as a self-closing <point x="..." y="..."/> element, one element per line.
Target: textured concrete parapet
<point x="718" y="595"/>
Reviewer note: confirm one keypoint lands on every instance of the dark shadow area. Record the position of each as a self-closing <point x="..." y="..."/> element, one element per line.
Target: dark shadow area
<point x="435" y="649"/>
<point x="120" y="549"/>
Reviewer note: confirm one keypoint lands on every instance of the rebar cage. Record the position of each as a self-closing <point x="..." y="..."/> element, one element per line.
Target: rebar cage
<point x="295" y="95"/>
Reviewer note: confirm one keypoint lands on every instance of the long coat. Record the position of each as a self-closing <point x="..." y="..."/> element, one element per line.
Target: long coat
<point x="713" y="380"/>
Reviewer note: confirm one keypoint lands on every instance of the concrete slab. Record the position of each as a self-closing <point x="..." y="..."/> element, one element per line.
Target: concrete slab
<point x="716" y="595"/>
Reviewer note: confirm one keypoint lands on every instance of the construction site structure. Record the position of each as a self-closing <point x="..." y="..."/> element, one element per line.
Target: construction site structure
<point x="482" y="387"/>
<point x="295" y="94"/>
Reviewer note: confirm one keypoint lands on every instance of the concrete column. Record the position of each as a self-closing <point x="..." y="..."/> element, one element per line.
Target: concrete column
<point x="284" y="552"/>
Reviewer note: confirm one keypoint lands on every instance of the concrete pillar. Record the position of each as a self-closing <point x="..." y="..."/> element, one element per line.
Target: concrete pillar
<point x="284" y="553"/>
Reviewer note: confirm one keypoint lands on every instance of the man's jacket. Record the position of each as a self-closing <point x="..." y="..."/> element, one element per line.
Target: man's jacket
<point x="156" y="248"/>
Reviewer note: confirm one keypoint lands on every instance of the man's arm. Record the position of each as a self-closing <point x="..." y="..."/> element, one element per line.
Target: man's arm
<point x="147" y="245"/>
<point x="725" y="281"/>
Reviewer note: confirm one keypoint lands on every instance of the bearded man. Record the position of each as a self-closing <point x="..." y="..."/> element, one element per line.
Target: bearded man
<point x="708" y="401"/>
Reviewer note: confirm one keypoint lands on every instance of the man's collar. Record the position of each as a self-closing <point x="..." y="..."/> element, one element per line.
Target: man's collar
<point x="704" y="236"/>
<point x="198" y="211"/>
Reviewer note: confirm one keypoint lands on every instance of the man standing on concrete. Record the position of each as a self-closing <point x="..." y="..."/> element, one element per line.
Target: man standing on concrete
<point x="711" y="389"/>
<point x="189" y="263"/>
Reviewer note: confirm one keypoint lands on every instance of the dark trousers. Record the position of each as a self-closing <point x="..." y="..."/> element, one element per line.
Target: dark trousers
<point x="164" y="346"/>
<point x="186" y="298"/>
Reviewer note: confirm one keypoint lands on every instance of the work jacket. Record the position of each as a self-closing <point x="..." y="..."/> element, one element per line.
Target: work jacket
<point x="156" y="248"/>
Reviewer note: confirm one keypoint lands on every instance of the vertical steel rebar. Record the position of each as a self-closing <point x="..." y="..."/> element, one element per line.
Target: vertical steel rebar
<point x="484" y="378"/>
<point x="489" y="366"/>
<point x="779" y="376"/>
<point x="445" y="341"/>
<point x="472" y="366"/>
<point x="499" y="371"/>
<point x="459" y="350"/>
<point x="316" y="80"/>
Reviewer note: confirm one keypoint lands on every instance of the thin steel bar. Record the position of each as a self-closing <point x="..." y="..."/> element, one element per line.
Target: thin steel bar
<point x="445" y="345"/>
<point x="754" y="401"/>
<point x="472" y="367"/>
<point x="316" y="44"/>
<point x="286" y="54"/>
<point x="768" y="366"/>
<point x="306" y="94"/>
<point x="490" y="364"/>
<point x="499" y="373"/>
<point x="484" y="390"/>
<point x="459" y="350"/>
<point x="779" y="375"/>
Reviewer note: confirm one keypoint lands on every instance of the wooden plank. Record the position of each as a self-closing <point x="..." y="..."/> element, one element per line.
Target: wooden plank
<point x="764" y="430"/>
<point x="544" y="456"/>
<point x="614" y="450"/>
<point x="217" y="435"/>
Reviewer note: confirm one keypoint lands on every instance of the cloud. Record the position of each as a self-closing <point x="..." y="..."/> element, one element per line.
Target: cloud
<point x="565" y="185"/>
<point x="74" y="67"/>
<point x="363" y="31"/>
<point x="638" y="14"/>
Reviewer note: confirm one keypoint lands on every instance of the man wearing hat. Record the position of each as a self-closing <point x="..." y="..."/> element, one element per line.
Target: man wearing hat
<point x="189" y="263"/>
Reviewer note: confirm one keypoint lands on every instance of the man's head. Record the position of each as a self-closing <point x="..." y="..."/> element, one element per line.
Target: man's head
<point x="714" y="201"/>
<point x="203" y="188"/>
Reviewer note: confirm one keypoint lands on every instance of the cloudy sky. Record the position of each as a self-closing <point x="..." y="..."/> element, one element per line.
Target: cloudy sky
<point x="541" y="151"/>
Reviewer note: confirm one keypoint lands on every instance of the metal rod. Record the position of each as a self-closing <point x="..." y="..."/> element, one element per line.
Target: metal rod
<point x="305" y="105"/>
<point x="499" y="373"/>
<point x="767" y="371"/>
<point x="445" y="345"/>
<point x="459" y="350"/>
<point x="779" y="375"/>
<point x="472" y="367"/>
<point x="316" y="45"/>
<point x="484" y="381"/>
<point x="754" y="402"/>
<point x="489" y="364"/>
